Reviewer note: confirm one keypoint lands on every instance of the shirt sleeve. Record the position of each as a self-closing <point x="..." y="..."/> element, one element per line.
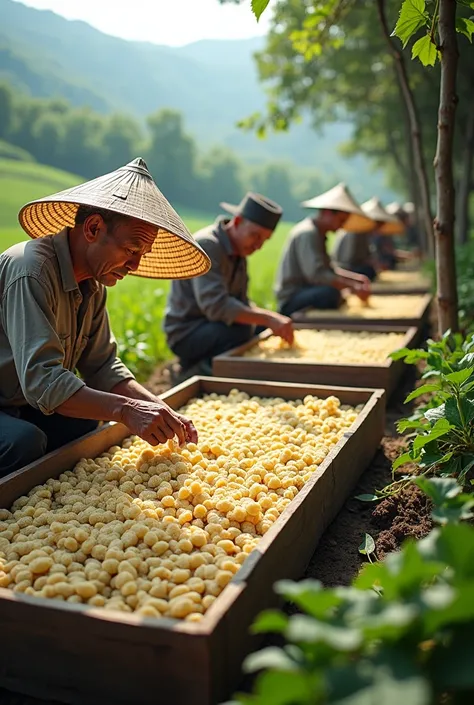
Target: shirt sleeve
<point x="28" y="321"/>
<point x="99" y="365"/>
<point x="310" y="262"/>
<point x="211" y="291"/>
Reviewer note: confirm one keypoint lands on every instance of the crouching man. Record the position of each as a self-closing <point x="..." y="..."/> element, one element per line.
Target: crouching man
<point x="53" y="316"/>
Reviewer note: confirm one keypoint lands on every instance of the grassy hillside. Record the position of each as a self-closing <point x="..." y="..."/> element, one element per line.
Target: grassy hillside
<point x="136" y="306"/>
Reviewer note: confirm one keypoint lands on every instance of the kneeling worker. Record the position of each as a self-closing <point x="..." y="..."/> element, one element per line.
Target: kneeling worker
<point x="53" y="318"/>
<point x="355" y="251"/>
<point x="212" y="314"/>
<point x="306" y="278"/>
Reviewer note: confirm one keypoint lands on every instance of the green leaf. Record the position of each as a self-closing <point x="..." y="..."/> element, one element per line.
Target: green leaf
<point x="309" y="596"/>
<point x="408" y="424"/>
<point x="441" y="428"/>
<point x="425" y="50"/>
<point x="367" y="546"/>
<point x="303" y="629"/>
<point x="277" y="688"/>
<point x="412" y="17"/>
<point x="439" y="489"/>
<point x="259" y="7"/>
<point x="460" y="376"/>
<point x="401" y="460"/>
<point x="271" y="657"/>
<point x="368" y="498"/>
<point x="468" y="359"/>
<point x="424" y="389"/>
<point x="465" y="26"/>
<point x="389" y="678"/>
<point x="452" y="411"/>
<point x="270" y="621"/>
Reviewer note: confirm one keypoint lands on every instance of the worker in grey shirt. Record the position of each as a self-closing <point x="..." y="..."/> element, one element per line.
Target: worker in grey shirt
<point x="207" y="316"/>
<point x="306" y="278"/>
<point x="53" y="317"/>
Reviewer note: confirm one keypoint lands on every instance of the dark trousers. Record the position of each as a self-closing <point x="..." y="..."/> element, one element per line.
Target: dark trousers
<point x="365" y="269"/>
<point x="322" y="297"/>
<point x="211" y="338"/>
<point x="26" y="434"/>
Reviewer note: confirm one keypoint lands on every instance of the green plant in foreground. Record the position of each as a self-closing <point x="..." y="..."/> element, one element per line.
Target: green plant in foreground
<point x="442" y="432"/>
<point x="403" y="632"/>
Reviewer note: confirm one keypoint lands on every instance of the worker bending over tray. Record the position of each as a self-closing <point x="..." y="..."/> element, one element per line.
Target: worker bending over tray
<point x="356" y="251"/>
<point x="306" y="277"/>
<point x="54" y="321"/>
<point x="387" y="254"/>
<point x="212" y="314"/>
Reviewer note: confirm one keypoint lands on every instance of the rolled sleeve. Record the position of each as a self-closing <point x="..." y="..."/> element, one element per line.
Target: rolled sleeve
<point x="37" y="350"/>
<point x="212" y="296"/>
<point x="99" y="364"/>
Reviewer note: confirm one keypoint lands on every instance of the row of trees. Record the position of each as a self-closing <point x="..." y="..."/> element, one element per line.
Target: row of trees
<point x="333" y="57"/>
<point x="88" y="144"/>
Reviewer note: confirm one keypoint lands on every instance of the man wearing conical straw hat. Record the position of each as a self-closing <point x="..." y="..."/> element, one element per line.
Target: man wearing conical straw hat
<point x="354" y="251"/>
<point x="212" y="314"/>
<point x="306" y="278"/>
<point x="53" y="318"/>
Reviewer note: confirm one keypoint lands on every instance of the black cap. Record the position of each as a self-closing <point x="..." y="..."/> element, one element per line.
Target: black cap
<point x="257" y="209"/>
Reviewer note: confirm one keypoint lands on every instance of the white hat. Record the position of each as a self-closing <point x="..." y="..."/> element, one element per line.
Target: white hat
<point x="339" y="198"/>
<point x="130" y="191"/>
<point x="390" y="224"/>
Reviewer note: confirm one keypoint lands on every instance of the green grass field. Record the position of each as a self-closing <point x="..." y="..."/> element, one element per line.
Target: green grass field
<point x="136" y="305"/>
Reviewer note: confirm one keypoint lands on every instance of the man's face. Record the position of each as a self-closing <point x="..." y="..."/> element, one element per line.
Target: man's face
<point x="335" y="219"/>
<point x="115" y="251"/>
<point x="248" y="237"/>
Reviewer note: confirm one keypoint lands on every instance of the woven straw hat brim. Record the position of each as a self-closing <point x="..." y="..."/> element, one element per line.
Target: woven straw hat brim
<point x="129" y="191"/>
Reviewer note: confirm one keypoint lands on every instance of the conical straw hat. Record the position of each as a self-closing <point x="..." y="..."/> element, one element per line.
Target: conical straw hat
<point x="339" y="198"/>
<point x="130" y="191"/>
<point x="391" y="225"/>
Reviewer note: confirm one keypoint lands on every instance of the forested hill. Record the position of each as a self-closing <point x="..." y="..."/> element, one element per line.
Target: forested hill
<point x="213" y="83"/>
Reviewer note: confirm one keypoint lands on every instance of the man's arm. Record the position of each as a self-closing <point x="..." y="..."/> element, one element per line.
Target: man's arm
<point x="151" y="419"/>
<point x="216" y="304"/>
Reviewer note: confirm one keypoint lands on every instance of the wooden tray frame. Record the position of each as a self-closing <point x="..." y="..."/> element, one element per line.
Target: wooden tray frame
<point x="386" y="375"/>
<point x="420" y="319"/>
<point x="74" y="654"/>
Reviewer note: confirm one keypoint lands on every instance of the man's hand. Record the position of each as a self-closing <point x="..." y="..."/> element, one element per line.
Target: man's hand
<point x="281" y="326"/>
<point x="156" y="423"/>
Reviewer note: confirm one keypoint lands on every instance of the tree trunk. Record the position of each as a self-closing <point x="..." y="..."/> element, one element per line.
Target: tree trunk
<point x="415" y="132"/>
<point x="465" y="182"/>
<point x="443" y="163"/>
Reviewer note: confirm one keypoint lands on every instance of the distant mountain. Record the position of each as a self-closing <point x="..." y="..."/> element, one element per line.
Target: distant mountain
<point x="213" y="83"/>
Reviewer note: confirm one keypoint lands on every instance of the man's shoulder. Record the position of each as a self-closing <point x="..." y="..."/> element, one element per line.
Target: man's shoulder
<point x="304" y="229"/>
<point x="27" y="258"/>
<point x="209" y="239"/>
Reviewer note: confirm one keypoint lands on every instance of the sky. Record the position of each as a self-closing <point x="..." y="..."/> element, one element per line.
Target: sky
<point x="172" y="22"/>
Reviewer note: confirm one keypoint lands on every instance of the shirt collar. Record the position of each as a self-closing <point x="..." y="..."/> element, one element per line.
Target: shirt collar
<point x="63" y="253"/>
<point x="222" y="235"/>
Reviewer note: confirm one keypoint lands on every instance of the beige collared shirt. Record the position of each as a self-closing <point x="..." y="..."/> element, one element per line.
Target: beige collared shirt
<point x="51" y="327"/>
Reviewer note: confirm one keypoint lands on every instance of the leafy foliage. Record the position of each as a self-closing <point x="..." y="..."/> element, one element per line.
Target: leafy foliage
<point x="415" y="15"/>
<point x="443" y="429"/>
<point x="402" y="632"/>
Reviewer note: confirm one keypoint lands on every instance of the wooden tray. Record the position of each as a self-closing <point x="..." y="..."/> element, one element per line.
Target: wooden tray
<point x="401" y="282"/>
<point x="418" y="319"/>
<point x="75" y="654"/>
<point x="386" y="375"/>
